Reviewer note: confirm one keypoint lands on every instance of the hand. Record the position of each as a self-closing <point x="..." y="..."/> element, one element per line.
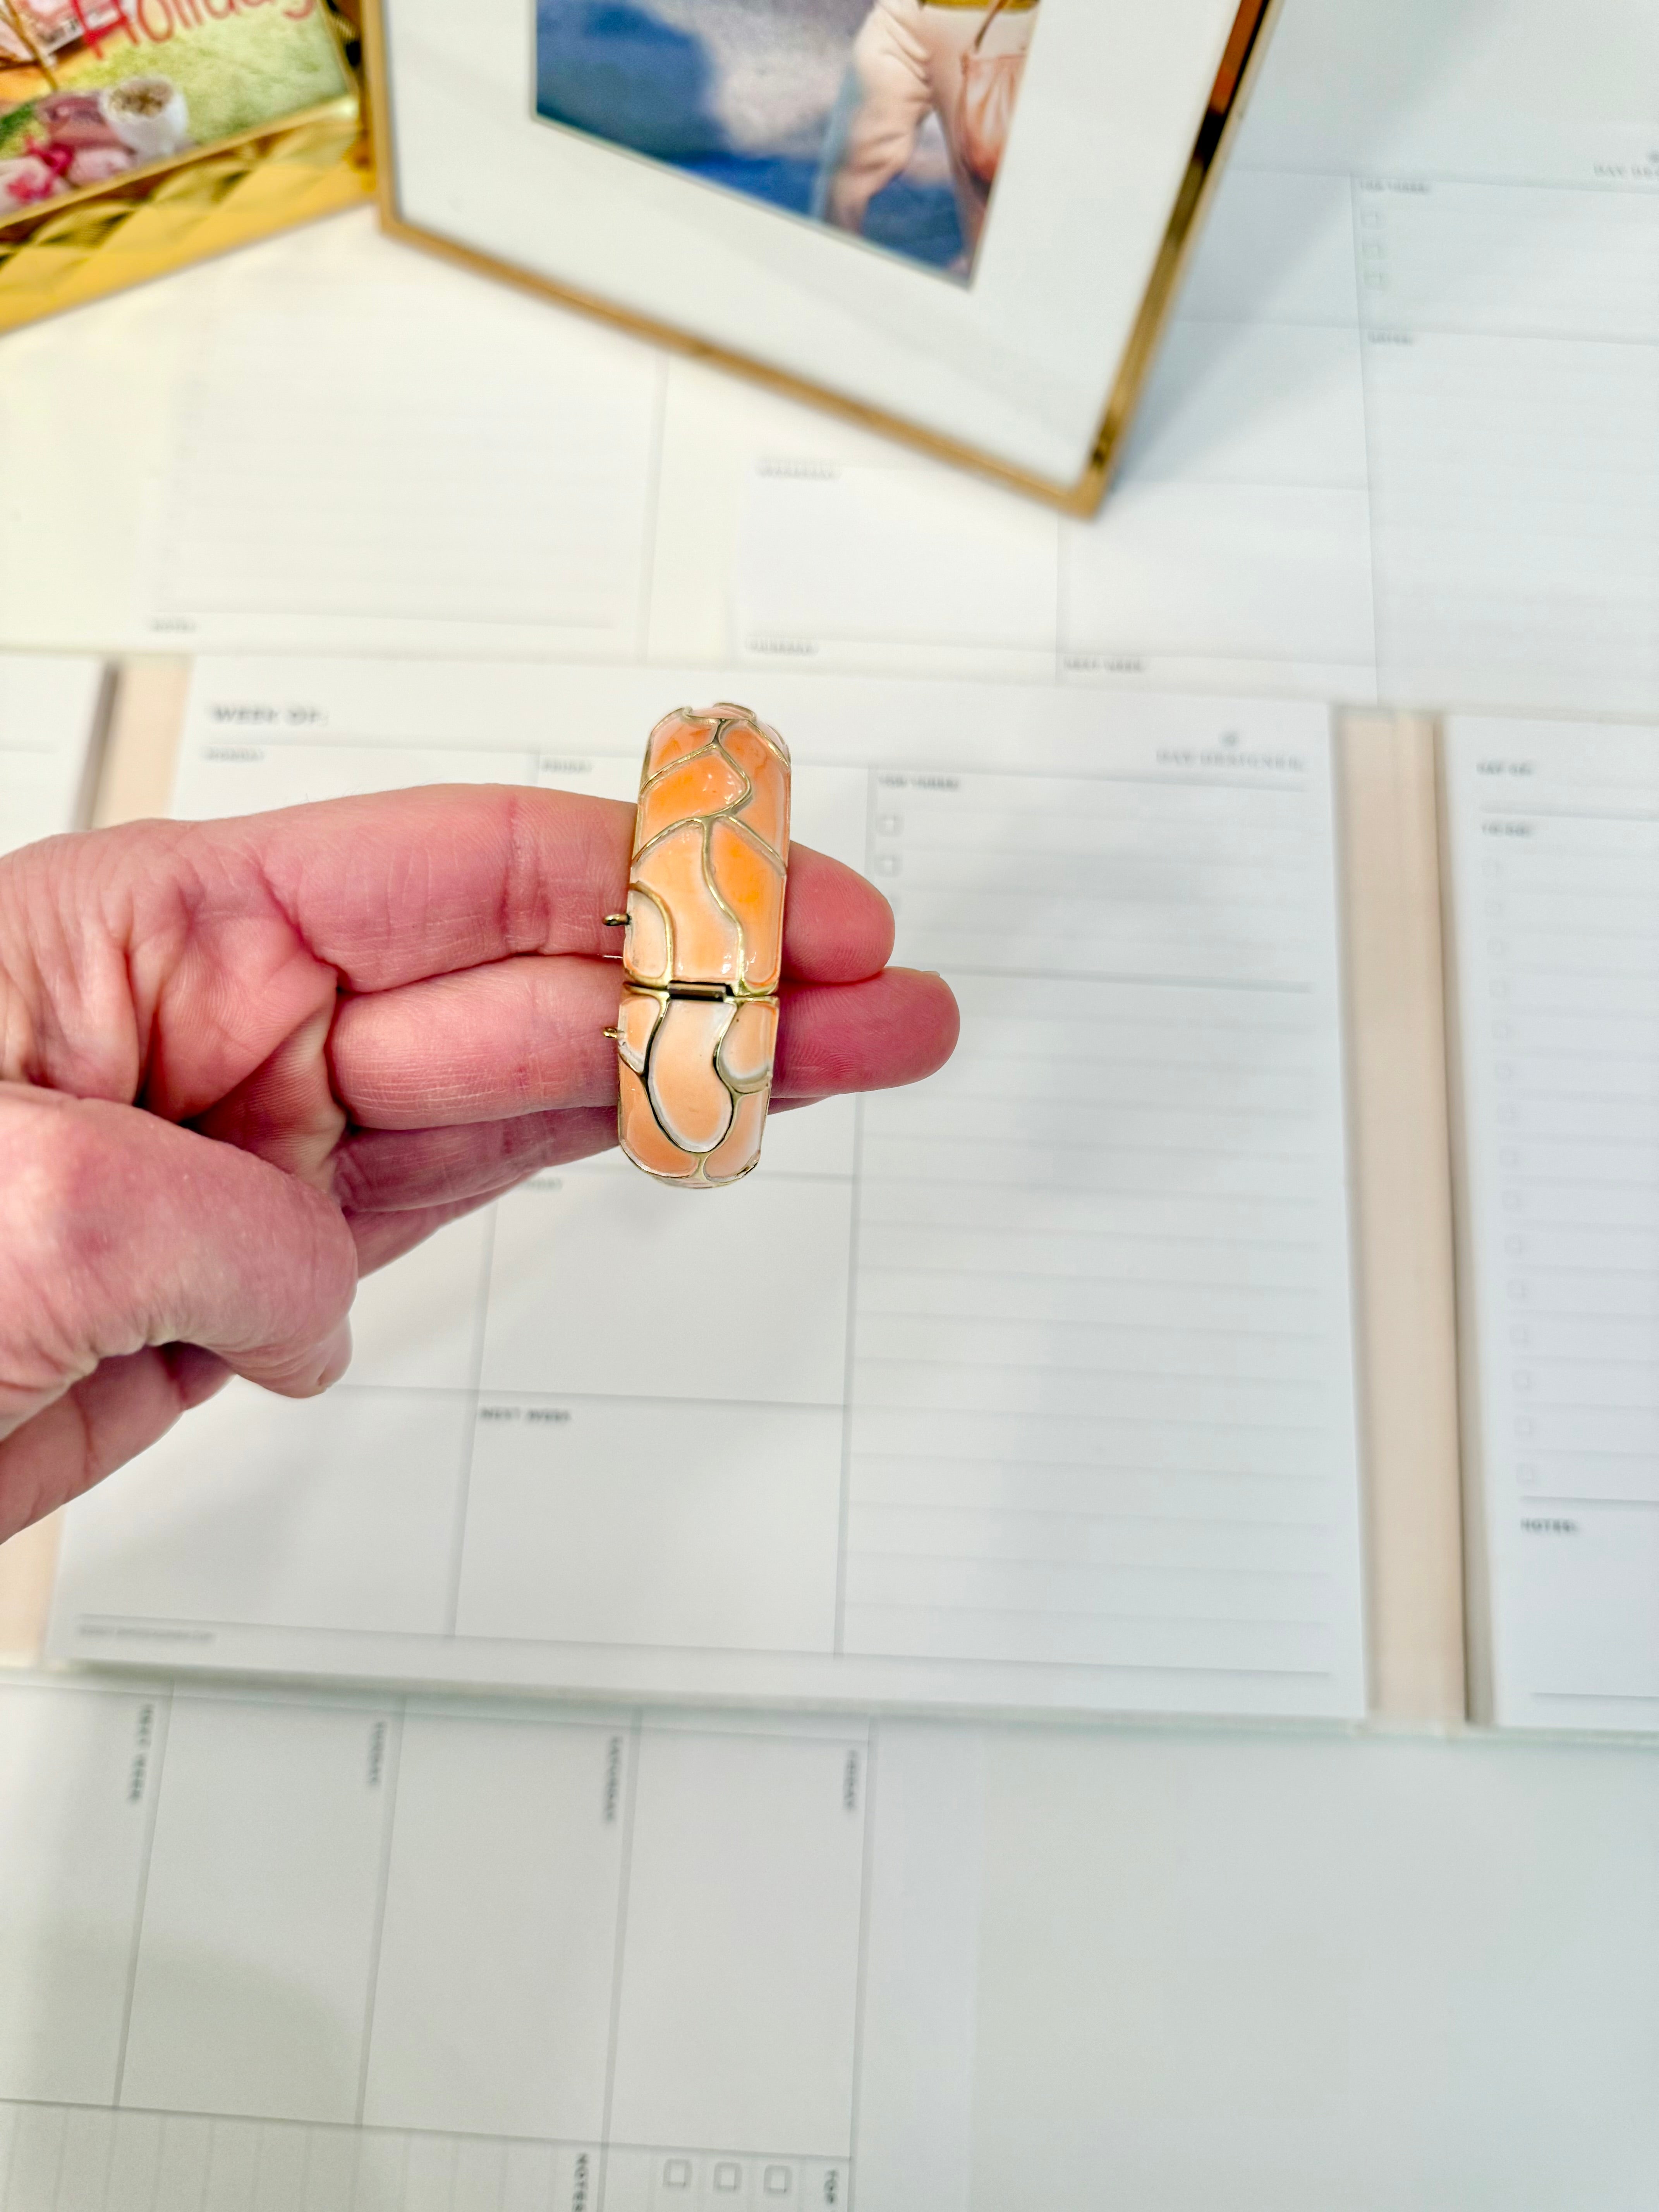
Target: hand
<point x="243" y="1063"/>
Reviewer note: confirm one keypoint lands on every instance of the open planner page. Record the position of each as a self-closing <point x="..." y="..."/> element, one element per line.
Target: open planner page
<point x="328" y="443"/>
<point x="267" y="1952"/>
<point x="1402" y="431"/>
<point x="1046" y="1395"/>
<point x="540" y="1964"/>
<point x="49" y="722"/>
<point x="1554" y="832"/>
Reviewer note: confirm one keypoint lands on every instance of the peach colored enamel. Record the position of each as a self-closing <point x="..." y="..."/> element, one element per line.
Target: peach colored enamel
<point x="747" y="1048"/>
<point x="707" y="784"/>
<point x="644" y="943"/>
<point x="719" y="876"/>
<point x="635" y="1022"/>
<point x="707" y="945"/>
<point x="750" y="883"/>
<point x="742" y="1147"/>
<point x="639" y="1136"/>
<point x="675" y="735"/>
<point x="767" y="811"/>
<point x="691" y="1102"/>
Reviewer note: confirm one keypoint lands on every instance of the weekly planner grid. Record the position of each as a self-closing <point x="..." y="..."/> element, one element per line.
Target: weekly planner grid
<point x="1049" y="1398"/>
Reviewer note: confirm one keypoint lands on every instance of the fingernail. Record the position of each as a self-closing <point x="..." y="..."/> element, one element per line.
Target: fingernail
<point x="337" y="1358"/>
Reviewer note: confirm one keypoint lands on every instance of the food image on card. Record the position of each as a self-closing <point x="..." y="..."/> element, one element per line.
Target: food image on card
<point x="93" y="91"/>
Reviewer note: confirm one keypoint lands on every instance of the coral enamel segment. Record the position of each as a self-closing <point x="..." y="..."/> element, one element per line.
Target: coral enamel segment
<point x="697" y="1028"/>
<point x="691" y="1110"/>
<point x="746" y="1049"/>
<point x="710" y="846"/>
<point x="691" y="1104"/>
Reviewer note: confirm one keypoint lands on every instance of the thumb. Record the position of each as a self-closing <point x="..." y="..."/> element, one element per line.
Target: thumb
<point x="119" y="1231"/>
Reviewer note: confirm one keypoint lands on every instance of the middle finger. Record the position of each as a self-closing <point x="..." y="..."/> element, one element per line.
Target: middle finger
<point x="526" y="1036"/>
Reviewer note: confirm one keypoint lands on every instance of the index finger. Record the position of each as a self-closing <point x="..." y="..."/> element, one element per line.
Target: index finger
<point x="394" y="889"/>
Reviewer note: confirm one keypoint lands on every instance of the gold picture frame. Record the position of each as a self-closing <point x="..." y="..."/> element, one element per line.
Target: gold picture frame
<point x="1245" y="45"/>
<point x="83" y="245"/>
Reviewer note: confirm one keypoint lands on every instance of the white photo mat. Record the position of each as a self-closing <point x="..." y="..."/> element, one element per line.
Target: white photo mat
<point x="1015" y="365"/>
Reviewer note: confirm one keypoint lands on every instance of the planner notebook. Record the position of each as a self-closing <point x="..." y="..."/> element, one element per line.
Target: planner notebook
<point x="1052" y="1401"/>
<point x="1553" y="837"/>
<point x="276" y="1951"/>
<point x="1069" y="1352"/>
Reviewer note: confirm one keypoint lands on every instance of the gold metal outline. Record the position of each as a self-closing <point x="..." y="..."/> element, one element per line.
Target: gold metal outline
<point x="1240" y="58"/>
<point x="644" y="890"/>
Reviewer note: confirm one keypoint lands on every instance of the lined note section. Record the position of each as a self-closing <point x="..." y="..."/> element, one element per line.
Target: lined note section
<point x="482" y="470"/>
<point x="1399" y="442"/>
<point x="1512" y="381"/>
<point x="329" y="441"/>
<point x="1555" y="829"/>
<point x="50" y="708"/>
<point x="1092" y="1383"/>
<point x="1049" y="1396"/>
<point x="330" y="1956"/>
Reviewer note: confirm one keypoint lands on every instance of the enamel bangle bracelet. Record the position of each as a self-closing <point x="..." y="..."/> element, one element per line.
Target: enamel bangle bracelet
<point x="699" y="1018"/>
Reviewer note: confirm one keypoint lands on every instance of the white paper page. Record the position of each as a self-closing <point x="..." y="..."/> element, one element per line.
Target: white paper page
<point x="617" y="1962"/>
<point x="1052" y="1403"/>
<point x="263" y="1954"/>
<point x="1512" y="403"/>
<point x="1013" y="362"/>
<point x="1526" y="92"/>
<point x="1401" y="440"/>
<point x="331" y="442"/>
<point x="1555" y="870"/>
<point x="49" y="725"/>
<point x="1298" y="1976"/>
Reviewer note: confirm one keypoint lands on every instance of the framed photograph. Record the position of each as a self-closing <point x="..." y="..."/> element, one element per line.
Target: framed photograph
<point x="959" y="221"/>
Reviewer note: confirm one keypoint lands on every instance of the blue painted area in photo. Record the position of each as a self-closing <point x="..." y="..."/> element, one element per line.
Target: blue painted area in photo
<point x="616" y="71"/>
<point x="918" y="219"/>
<point x="621" y="73"/>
